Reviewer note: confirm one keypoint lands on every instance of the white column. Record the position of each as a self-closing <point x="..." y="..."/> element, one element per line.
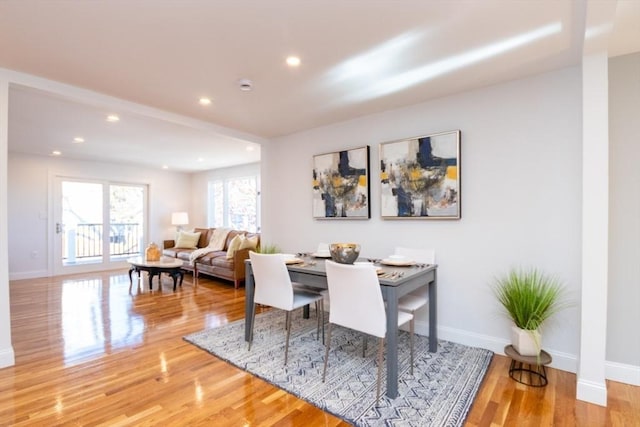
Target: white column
<point x="599" y="21"/>
<point x="591" y="385"/>
<point x="6" y="350"/>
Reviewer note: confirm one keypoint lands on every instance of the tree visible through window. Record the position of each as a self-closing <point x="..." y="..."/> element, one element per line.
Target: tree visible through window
<point x="233" y="203"/>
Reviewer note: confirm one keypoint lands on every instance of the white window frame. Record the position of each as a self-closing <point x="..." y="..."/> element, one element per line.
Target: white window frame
<point x="225" y="200"/>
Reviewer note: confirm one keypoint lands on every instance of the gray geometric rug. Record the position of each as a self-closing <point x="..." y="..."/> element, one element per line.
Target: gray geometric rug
<point x="439" y="393"/>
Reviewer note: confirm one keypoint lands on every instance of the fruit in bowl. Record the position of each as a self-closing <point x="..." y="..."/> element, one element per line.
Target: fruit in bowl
<point x="344" y="253"/>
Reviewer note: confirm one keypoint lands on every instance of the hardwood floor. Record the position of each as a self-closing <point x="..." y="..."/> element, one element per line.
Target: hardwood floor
<point x="90" y="352"/>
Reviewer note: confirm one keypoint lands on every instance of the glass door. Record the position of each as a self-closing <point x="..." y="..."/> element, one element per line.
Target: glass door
<point x="97" y="224"/>
<point x="126" y="226"/>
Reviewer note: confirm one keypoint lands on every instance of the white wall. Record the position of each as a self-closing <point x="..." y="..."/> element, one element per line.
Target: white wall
<point x="521" y="185"/>
<point x="623" y="341"/>
<point x="29" y="186"/>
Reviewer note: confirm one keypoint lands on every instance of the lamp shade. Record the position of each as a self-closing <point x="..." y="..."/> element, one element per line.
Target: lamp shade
<point x="179" y="218"/>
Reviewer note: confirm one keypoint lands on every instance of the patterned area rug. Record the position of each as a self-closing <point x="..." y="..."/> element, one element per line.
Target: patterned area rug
<point x="439" y="393"/>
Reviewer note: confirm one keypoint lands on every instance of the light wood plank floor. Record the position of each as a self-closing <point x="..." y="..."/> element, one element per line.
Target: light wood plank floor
<point x="90" y="352"/>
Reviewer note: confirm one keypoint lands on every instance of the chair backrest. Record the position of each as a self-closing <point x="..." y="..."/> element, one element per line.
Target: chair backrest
<point x="272" y="282"/>
<point x="424" y="256"/>
<point x="356" y="298"/>
<point x="323" y="247"/>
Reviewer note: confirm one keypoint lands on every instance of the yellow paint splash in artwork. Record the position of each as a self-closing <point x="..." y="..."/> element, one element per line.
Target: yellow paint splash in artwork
<point x="452" y="172"/>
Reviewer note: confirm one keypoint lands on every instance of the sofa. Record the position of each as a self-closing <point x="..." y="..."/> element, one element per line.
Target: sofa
<point x="202" y="255"/>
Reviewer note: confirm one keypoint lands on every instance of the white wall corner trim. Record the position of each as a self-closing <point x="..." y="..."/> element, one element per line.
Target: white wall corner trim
<point x="7" y="357"/>
<point x="6" y="350"/>
<point x="595" y="223"/>
<point x="621" y="372"/>
<point x="592" y="392"/>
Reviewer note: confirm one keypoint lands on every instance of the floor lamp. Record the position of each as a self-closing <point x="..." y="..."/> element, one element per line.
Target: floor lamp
<point x="179" y="219"/>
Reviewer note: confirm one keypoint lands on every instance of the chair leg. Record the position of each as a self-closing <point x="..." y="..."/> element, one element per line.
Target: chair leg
<point x="411" y="339"/>
<point x="253" y="323"/>
<point x="286" y="346"/>
<point x="380" y="346"/>
<point x="326" y="353"/>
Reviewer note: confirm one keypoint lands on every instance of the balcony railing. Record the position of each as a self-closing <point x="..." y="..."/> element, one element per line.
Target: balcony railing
<point x="86" y="240"/>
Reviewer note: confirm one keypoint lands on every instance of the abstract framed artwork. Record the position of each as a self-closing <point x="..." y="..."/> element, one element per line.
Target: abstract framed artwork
<point x="420" y="177"/>
<point x="341" y="185"/>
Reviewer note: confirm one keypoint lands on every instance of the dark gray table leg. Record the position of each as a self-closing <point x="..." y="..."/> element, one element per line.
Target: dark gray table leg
<point x="392" y="342"/>
<point x="248" y="301"/>
<point x="433" y="318"/>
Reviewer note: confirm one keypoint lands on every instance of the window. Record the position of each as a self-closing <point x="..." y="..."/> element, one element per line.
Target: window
<point x="233" y="203"/>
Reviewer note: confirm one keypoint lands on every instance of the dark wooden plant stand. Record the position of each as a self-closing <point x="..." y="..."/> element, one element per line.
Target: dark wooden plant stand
<point x="528" y="370"/>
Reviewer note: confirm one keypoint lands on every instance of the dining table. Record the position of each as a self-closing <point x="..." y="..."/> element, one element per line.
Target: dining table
<point x="395" y="281"/>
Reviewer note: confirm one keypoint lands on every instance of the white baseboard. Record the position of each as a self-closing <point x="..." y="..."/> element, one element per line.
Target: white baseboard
<point x="627" y="374"/>
<point x="7" y="357"/>
<point x="36" y="274"/>
<point x="620" y="372"/>
<point x="562" y="361"/>
<point x="592" y="392"/>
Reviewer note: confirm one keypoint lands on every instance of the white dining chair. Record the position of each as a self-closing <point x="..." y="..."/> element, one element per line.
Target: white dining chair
<point x="413" y="301"/>
<point x="356" y="303"/>
<point x="273" y="288"/>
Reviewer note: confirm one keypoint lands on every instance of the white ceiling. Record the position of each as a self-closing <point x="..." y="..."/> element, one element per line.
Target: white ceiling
<point x="150" y="61"/>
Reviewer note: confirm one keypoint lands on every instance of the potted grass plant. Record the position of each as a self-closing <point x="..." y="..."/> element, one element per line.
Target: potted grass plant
<point x="267" y="249"/>
<point x="529" y="297"/>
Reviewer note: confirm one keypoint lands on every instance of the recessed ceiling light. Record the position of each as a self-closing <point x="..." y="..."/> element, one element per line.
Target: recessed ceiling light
<point x="250" y="148"/>
<point x="293" y="61"/>
<point x="78" y="140"/>
<point x="200" y="159"/>
<point x="245" y="85"/>
<point x="165" y="167"/>
<point x="56" y="153"/>
<point x="204" y="101"/>
<point x="113" y="118"/>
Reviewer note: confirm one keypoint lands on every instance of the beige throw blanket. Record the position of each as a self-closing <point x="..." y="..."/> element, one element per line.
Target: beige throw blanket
<point x="216" y="243"/>
<point x="193" y="256"/>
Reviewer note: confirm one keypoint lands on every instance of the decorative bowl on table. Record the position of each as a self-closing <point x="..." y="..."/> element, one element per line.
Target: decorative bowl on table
<point x="344" y="253"/>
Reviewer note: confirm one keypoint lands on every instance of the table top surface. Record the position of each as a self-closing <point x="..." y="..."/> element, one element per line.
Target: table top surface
<point x="164" y="262"/>
<point x="388" y="275"/>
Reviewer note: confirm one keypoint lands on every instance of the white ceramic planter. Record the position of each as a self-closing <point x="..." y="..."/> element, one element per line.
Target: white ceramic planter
<point x="527" y="343"/>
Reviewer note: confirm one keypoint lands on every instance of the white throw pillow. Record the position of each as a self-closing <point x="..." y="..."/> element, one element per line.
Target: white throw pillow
<point x="218" y="239"/>
<point x="187" y="240"/>
<point x="234" y="245"/>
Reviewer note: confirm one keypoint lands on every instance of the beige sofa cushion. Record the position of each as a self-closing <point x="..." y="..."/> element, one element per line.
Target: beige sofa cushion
<point x="187" y="240"/>
<point x="250" y="243"/>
